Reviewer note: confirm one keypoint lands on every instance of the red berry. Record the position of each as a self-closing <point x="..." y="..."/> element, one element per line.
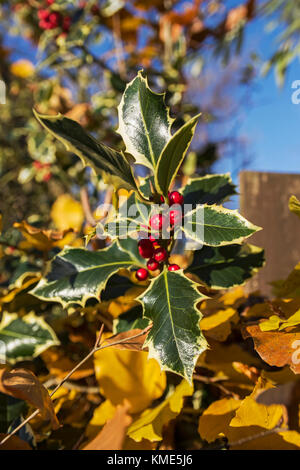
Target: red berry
<point x="47" y="177"/>
<point x="160" y="254"/>
<point x="146" y="248"/>
<point x="158" y="221"/>
<point x="175" y="216"/>
<point x="43" y="14"/>
<point x="49" y="2"/>
<point x="162" y="199"/>
<point x="175" y="198"/>
<point x="66" y="23"/>
<point x="173" y="267"/>
<point x="142" y="274"/>
<point x="152" y="264"/>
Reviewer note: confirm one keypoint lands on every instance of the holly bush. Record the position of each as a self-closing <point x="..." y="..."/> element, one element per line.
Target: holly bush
<point x="144" y="336"/>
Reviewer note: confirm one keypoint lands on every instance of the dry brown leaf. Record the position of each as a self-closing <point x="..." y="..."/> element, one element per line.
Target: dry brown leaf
<point x="276" y="348"/>
<point x="23" y="384"/>
<point x="113" y="433"/>
<point x="131" y="342"/>
<point x="14" y="443"/>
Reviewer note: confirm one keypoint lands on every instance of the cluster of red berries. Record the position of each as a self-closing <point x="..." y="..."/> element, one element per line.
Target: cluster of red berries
<point x="150" y="248"/>
<point x="53" y="19"/>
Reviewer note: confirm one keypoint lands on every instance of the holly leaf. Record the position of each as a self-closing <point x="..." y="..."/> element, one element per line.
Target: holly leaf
<point x="173" y="154"/>
<point x="76" y="274"/>
<point x="175" y="339"/>
<point x="217" y="226"/>
<point x="209" y="189"/>
<point x="92" y="153"/>
<point x="144" y="122"/>
<point x="226" y="266"/>
<point x="23" y="338"/>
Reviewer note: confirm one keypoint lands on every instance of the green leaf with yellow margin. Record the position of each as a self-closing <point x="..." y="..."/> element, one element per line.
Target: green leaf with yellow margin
<point x="144" y="122"/>
<point x="92" y="153"/>
<point x="175" y="339"/>
<point x="217" y="226"/>
<point x="173" y="154"/>
<point x="23" y="338"/>
<point x="226" y="266"/>
<point x="152" y="421"/>
<point x="208" y="189"/>
<point x="77" y="274"/>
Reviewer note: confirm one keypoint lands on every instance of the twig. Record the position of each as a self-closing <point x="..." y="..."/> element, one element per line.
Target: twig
<point x="98" y="346"/>
<point x="86" y="207"/>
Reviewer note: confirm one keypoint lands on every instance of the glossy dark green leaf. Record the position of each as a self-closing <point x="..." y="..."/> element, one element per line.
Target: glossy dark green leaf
<point x="209" y="189"/>
<point x="226" y="266"/>
<point x="10" y="409"/>
<point x="217" y="226"/>
<point x="23" y="338"/>
<point x="144" y="122"/>
<point x="175" y="339"/>
<point x="172" y="156"/>
<point x="133" y="319"/>
<point x="77" y="274"/>
<point x="92" y="153"/>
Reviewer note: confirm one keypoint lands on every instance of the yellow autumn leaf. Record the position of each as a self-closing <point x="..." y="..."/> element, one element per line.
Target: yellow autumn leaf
<point x="67" y="213"/>
<point x="289" y="287"/>
<point x="277" y="323"/>
<point x="41" y="239"/>
<point x="22" y="68"/>
<point x="101" y="415"/>
<point x="218" y="325"/>
<point x="294" y="205"/>
<point x="151" y="422"/>
<point x="216" y="418"/>
<point x="130" y="375"/>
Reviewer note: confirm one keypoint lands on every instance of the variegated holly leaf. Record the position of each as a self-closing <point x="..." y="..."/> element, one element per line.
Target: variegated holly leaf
<point x="144" y="122"/>
<point x="217" y="226"/>
<point x="226" y="266"/>
<point x="92" y="153"/>
<point x="77" y="274"/>
<point x="172" y="156"/>
<point x="132" y="217"/>
<point x="175" y="339"/>
<point x="209" y="189"/>
<point x="23" y="338"/>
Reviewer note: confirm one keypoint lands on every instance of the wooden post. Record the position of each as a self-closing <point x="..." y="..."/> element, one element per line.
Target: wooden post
<point x="264" y="201"/>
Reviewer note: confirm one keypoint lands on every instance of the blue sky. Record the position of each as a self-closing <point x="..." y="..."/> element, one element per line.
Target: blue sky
<point x="270" y="121"/>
